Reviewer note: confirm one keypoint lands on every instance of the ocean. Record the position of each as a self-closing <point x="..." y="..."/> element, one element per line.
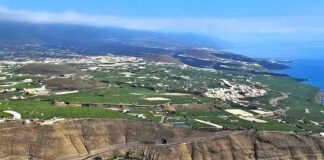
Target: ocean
<point x="311" y="70"/>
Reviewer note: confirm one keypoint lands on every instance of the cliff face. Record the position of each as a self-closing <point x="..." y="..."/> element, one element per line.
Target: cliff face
<point x="107" y="138"/>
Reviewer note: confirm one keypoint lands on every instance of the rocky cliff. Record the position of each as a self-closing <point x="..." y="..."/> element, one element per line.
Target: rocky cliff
<point x="79" y="139"/>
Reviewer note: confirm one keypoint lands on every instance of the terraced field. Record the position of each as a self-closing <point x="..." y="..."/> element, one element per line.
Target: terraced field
<point x="155" y="91"/>
<point x="31" y="109"/>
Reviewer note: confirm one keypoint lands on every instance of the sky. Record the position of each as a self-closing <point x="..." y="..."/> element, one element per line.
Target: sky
<point x="286" y="29"/>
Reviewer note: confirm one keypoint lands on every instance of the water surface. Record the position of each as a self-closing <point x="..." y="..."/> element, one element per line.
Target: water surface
<point x="312" y="70"/>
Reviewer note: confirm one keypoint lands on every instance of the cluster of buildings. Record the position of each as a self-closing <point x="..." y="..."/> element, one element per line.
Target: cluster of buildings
<point x="24" y="51"/>
<point x="234" y="92"/>
<point x="97" y="61"/>
<point x="87" y="63"/>
<point x="36" y="91"/>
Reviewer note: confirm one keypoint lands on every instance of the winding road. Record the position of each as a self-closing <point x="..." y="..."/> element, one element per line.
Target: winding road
<point x="275" y="101"/>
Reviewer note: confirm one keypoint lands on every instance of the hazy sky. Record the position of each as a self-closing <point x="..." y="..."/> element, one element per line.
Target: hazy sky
<point x="263" y="28"/>
<point x="172" y="8"/>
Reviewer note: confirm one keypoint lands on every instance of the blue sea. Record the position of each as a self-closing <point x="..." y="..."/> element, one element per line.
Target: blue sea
<point x="312" y="70"/>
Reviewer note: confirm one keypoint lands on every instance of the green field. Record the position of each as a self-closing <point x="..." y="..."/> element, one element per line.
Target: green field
<point x="301" y="96"/>
<point x="126" y="95"/>
<point x="147" y="114"/>
<point x="30" y="109"/>
<point x="216" y="117"/>
<point x="151" y="81"/>
<point x="170" y="78"/>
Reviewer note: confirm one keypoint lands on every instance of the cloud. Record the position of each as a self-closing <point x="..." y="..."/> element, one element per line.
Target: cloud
<point x="226" y="27"/>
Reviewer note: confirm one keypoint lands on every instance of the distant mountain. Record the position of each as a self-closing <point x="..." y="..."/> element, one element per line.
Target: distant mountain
<point x="209" y="58"/>
<point x="19" y="39"/>
<point x="96" y="40"/>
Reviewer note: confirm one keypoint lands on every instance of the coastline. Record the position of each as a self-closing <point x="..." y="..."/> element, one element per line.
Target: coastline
<point x="305" y="71"/>
<point x="302" y="71"/>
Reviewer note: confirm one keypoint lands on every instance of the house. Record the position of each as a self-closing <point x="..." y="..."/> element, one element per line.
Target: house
<point x="37" y="91"/>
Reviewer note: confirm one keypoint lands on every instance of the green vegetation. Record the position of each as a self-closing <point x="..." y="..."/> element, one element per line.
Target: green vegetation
<point x="72" y="84"/>
<point x="168" y="78"/>
<point x="2" y="114"/>
<point x="110" y="85"/>
<point x="147" y="113"/>
<point x="126" y="95"/>
<point x="231" y="122"/>
<point x="301" y="96"/>
<point x="46" y="69"/>
<point x="45" y="110"/>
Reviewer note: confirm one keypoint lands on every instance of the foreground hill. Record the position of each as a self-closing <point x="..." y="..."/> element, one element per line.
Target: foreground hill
<point x="80" y="139"/>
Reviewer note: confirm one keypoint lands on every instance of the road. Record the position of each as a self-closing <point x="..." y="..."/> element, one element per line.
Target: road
<point x="275" y="101"/>
<point x="137" y="144"/>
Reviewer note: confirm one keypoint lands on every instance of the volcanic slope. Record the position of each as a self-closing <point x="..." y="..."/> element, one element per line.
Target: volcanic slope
<point x="79" y="139"/>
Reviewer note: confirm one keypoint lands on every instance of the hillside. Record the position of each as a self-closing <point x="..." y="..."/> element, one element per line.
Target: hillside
<point x="21" y="40"/>
<point x="210" y="58"/>
<point x="46" y="69"/>
<point x="162" y="58"/>
<point x="59" y="84"/>
<point x="96" y="40"/>
<point x="108" y="138"/>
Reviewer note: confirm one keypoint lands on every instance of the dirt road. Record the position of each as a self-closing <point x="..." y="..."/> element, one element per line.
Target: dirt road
<point x="275" y="101"/>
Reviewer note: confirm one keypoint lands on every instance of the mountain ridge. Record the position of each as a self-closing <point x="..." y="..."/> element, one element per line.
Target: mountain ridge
<point x="23" y="39"/>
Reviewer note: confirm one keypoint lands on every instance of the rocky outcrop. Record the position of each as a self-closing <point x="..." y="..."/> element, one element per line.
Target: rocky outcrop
<point x="79" y="139"/>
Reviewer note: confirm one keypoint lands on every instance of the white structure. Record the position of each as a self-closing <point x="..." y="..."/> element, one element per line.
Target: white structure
<point x="37" y="91"/>
<point x="16" y="115"/>
<point x="235" y="92"/>
<point x="211" y="124"/>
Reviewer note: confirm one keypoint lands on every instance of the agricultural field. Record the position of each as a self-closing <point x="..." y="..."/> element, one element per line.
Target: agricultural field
<point x="31" y="109"/>
<point x="229" y="121"/>
<point x="129" y="95"/>
<point x="92" y="87"/>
